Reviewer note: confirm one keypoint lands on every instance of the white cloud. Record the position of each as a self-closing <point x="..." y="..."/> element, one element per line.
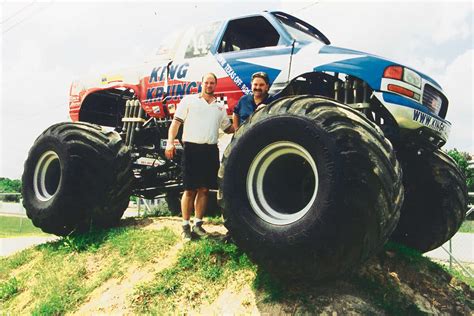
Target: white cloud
<point x="458" y="82"/>
<point x="62" y="41"/>
<point x="452" y="26"/>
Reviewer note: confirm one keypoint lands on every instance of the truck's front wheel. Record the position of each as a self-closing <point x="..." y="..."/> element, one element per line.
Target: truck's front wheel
<point x="76" y="175"/>
<point x="435" y="200"/>
<point x="309" y="187"/>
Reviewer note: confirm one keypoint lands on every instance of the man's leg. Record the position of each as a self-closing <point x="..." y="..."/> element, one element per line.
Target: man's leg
<point x="200" y="203"/>
<point x="200" y="206"/>
<point x="187" y="202"/>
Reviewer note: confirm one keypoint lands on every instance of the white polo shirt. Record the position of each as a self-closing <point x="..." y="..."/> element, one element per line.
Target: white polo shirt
<point x="201" y="120"/>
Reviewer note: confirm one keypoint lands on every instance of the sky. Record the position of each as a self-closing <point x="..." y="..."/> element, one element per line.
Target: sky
<point x="45" y="45"/>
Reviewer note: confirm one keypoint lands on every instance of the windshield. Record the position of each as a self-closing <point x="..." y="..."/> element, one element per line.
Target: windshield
<point x="169" y="45"/>
<point x="299" y="30"/>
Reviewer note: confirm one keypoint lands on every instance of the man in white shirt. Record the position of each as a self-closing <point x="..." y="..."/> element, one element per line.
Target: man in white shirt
<point x="202" y="117"/>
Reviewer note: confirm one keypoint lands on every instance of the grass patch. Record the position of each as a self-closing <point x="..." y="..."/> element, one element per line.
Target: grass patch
<point x="65" y="272"/>
<point x="457" y="272"/>
<point x="412" y="256"/>
<point x="14" y="226"/>
<point x="214" y="220"/>
<point x="8" y="264"/>
<point x="199" y="264"/>
<point x="8" y="289"/>
<point x="467" y="227"/>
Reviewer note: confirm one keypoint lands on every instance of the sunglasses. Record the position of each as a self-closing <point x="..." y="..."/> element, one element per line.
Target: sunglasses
<point x="260" y="74"/>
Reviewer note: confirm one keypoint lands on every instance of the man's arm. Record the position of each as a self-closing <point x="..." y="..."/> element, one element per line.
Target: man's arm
<point x="235" y="121"/>
<point x="170" y="150"/>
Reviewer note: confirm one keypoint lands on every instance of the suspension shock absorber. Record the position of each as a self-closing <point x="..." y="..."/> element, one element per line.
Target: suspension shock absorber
<point x="126" y="115"/>
<point x="133" y="120"/>
<point x="355" y="87"/>
<point x="364" y="95"/>
<point x="138" y="120"/>
<point x="347" y="87"/>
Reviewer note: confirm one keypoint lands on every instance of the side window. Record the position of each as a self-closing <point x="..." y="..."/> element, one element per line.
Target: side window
<point x="200" y="40"/>
<point x="248" y="33"/>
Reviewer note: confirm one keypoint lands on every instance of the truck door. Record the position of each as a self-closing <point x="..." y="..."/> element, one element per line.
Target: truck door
<point x="248" y="45"/>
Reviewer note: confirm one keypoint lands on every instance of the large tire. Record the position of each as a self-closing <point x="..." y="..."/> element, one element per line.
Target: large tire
<point x="76" y="176"/>
<point x="309" y="188"/>
<point x="436" y="200"/>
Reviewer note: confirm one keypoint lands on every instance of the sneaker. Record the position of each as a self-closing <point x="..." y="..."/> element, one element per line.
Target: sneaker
<point x="199" y="231"/>
<point x="186" y="233"/>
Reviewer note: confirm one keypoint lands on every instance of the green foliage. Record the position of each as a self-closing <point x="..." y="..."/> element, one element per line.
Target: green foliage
<point x="14" y="226"/>
<point x="215" y="220"/>
<point x="462" y="159"/>
<point x="273" y="288"/>
<point x="10" y="186"/>
<point x="467" y="226"/>
<point x="208" y="261"/>
<point x="17" y="260"/>
<point x="412" y="256"/>
<point x="8" y="289"/>
<point x="62" y="274"/>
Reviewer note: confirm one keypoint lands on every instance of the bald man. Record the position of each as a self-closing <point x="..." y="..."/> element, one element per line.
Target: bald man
<point x="202" y="117"/>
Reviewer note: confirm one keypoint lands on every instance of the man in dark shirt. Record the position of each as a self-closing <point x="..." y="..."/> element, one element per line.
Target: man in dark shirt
<point x="249" y="103"/>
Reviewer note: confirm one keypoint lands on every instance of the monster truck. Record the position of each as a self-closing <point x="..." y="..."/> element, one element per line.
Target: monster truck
<point x="311" y="183"/>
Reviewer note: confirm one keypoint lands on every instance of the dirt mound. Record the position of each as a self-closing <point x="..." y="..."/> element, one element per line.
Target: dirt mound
<point x="213" y="276"/>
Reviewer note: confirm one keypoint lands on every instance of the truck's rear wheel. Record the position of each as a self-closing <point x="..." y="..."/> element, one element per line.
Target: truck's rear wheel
<point x="309" y="187"/>
<point x="435" y="200"/>
<point x="76" y="175"/>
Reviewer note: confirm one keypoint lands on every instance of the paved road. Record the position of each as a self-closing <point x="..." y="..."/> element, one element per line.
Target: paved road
<point x="9" y="246"/>
<point x="462" y="245"/>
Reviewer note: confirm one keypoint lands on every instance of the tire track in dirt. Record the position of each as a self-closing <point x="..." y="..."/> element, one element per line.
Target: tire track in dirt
<point x="112" y="296"/>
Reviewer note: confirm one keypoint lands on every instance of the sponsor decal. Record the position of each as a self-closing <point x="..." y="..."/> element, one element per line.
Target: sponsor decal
<point x="232" y="74"/>
<point x="110" y="79"/>
<point x="176" y="87"/>
<point x="156" y="109"/>
<point x="429" y="121"/>
<point x="177" y="71"/>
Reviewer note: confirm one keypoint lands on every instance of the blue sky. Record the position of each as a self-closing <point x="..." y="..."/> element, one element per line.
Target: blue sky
<point x="45" y="45"/>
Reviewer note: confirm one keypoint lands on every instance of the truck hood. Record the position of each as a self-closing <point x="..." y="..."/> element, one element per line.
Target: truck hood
<point x="363" y="61"/>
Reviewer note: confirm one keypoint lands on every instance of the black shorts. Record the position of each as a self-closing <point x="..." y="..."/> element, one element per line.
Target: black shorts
<point x="200" y="165"/>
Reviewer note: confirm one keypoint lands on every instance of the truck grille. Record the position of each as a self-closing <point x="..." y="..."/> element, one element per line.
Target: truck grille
<point x="434" y="100"/>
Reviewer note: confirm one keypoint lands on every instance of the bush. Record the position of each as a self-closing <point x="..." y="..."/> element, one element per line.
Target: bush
<point x="463" y="159"/>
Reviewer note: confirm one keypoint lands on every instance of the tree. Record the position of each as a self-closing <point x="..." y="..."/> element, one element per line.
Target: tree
<point x="463" y="159"/>
<point x="10" y="186"/>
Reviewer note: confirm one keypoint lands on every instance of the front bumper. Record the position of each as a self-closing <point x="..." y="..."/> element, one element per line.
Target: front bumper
<point x="414" y="119"/>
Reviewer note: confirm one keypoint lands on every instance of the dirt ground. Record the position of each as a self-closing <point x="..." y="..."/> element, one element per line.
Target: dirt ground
<point x="384" y="285"/>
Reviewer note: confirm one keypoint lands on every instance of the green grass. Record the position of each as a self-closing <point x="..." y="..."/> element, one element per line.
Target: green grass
<point x="13" y="226"/>
<point x="214" y="220"/>
<point x="199" y="264"/>
<point x="8" y="289"/>
<point x="467" y="227"/>
<point x="459" y="274"/>
<point x="60" y="275"/>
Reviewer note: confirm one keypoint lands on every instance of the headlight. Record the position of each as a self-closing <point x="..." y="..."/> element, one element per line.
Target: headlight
<point x="411" y="77"/>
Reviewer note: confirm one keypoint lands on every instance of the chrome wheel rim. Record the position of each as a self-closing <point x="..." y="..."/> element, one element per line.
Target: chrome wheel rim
<point x="269" y="160"/>
<point x="47" y="176"/>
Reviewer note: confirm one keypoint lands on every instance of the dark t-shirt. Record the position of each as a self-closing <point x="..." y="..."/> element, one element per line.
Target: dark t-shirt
<point x="246" y="106"/>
